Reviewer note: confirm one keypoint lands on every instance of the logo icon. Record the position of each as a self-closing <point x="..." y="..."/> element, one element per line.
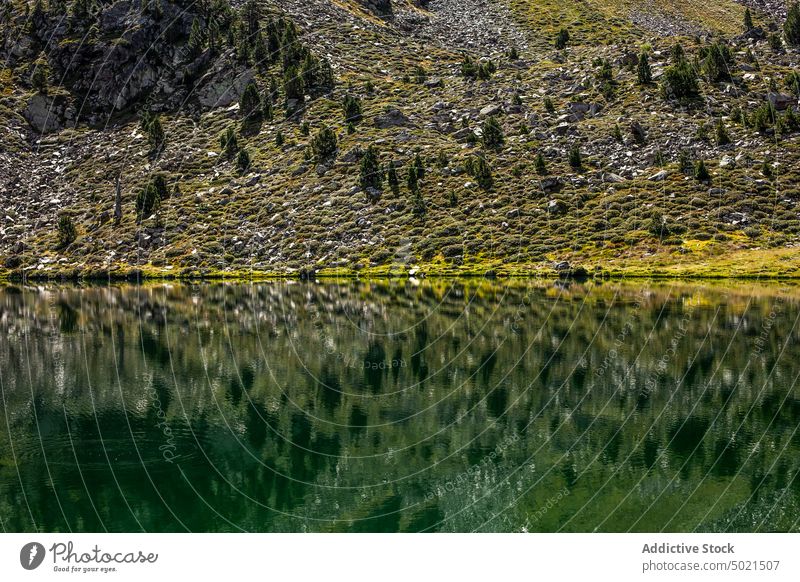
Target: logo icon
<point x="31" y="555"/>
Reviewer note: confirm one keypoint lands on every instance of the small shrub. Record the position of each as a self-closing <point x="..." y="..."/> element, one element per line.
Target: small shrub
<point x="562" y="39"/>
<point x="493" y="136"/>
<point x="243" y="160"/>
<point x="66" y="231"/>
<point x="575" y="159"/>
<point x="324" y="144"/>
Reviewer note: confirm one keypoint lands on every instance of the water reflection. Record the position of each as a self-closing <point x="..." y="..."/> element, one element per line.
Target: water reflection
<point x="443" y="406"/>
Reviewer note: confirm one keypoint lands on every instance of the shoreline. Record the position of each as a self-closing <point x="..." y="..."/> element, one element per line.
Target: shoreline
<point x="579" y="273"/>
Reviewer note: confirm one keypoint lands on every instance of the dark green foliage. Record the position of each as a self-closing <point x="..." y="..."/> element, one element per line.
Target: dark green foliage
<point x="677" y="54"/>
<point x="261" y="54"/>
<point x="485" y="70"/>
<point x="766" y="170"/>
<point x="617" y="134"/>
<point x="775" y="42"/>
<point x="493" y="136"/>
<point x="371" y="174"/>
<point x="644" y="74"/>
<point x="418" y="206"/>
<point x="279" y="139"/>
<point x="266" y="108"/>
<point x="420" y="74"/>
<point x="468" y="68"/>
<point x="250" y="104"/>
<point x="155" y="134"/>
<point x="317" y="75"/>
<point x="604" y="70"/>
<point x="548" y="105"/>
<point x="701" y="172"/>
<point x="562" y="39"/>
<point x="305" y="128"/>
<point x="575" y="158"/>
<point x="748" y="20"/>
<point x="419" y="167"/>
<point x="479" y="169"/>
<point x="150" y="197"/>
<point x="351" y="106"/>
<point x="717" y="61"/>
<point x="513" y="54"/>
<point x="391" y="178"/>
<point x="680" y="82"/>
<point x="793" y="82"/>
<point x="763" y="118"/>
<point x="324" y="144"/>
<point x="412" y="179"/>
<point x="791" y="27"/>
<point x="658" y="225"/>
<point x="292" y="50"/>
<point x="229" y="143"/>
<point x="540" y="165"/>
<point x="243" y="160"/>
<point x="196" y="38"/>
<point x="41" y="74"/>
<point x="294" y="89"/>
<point x="66" y="231"/>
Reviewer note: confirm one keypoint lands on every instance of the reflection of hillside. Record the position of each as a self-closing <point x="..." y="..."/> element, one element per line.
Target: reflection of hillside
<point x="353" y="401"/>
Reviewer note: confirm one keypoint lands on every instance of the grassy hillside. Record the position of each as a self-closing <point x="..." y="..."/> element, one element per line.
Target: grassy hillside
<point x="633" y="205"/>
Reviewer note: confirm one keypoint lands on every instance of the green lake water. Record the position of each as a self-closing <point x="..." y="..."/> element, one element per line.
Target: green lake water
<point x="443" y="405"/>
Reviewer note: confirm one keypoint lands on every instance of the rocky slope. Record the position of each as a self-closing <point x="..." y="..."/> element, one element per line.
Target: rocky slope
<point x="633" y="204"/>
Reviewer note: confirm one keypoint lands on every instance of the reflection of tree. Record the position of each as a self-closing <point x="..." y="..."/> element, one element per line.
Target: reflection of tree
<point x="358" y="411"/>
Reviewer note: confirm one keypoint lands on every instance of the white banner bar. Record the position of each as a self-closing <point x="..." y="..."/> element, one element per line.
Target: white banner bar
<point x="401" y="557"/>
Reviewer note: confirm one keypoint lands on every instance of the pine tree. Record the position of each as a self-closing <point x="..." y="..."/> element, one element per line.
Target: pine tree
<point x="722" y="134"/>
<point x="243" y="160"/>
<point x="540" y="165"/>
<point x="155" y="134"/>
<point x="41" y="74"/>
<point x="575" y="158"/>
<point x="391" y="178"/>
<point x="748" y="20"/>
<point x="195" y="43"/>
<point x="412" y="180"/>
<point x="266" y="109"/>
<point x="371" y="173"/>
<point x="250" y="102"/>
<point x="351" y="107"/>
<point x="419" y="167"/>
<point x="643" y="73"/>
<point x="150" y="197"/>
<point x="229" y="143"/>
<point x="492" y="136"/>
<point x="294" y="89"/>
<point x="791" y="28"/>
<point x="261" y="56"/>
<point x="680" y="81"/>
<point x="562" y="39"/>
<point x="66" y="231"/>
<point x="701" y="172"/>
<point x="482" y="173"/>
<point x="324" y="144"/>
